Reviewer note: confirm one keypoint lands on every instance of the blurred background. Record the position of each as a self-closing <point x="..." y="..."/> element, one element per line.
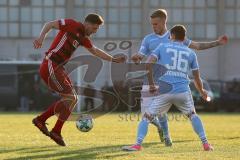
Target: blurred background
<point x="21" y="21"/>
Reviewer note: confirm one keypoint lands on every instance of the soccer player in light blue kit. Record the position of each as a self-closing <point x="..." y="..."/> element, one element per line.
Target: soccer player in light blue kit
<point x="149" y="43"/>
<point x="178" y="59"/>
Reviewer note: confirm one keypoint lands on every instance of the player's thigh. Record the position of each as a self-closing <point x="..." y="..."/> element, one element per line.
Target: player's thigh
<point x="146" y="98"/>
<point x="145" y="103"/>
<point x="184" y="102"/>
<point x="158" y="105"/>
<point x="59" y="81"/>
<point x="67" y="91"/>
<point x="44" y="72"/>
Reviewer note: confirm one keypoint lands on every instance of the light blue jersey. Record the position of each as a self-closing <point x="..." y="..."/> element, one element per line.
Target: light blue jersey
<point x="179" y="60"/>
<point x="151" y="42"/>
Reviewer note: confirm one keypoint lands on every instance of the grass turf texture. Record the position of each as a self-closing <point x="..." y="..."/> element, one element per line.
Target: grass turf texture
<point x="19" y="139"/>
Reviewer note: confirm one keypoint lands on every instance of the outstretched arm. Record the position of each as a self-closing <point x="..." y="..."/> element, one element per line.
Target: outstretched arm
<point x="222" y="40"/>
<point x="46" y="28"/>
<point x="103" y="55"/>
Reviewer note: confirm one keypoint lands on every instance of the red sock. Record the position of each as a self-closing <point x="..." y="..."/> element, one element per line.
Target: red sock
<point x="64" y="112"/>
<point x="50" y="111"/>
<point x="58" y="126"/>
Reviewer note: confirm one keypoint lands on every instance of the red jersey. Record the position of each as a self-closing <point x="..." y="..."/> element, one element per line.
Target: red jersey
<point x="69" y="38"/>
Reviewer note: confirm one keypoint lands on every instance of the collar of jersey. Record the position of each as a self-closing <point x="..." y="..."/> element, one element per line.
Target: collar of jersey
<point x="177" y="42"/>
<point x="161" y="36"/>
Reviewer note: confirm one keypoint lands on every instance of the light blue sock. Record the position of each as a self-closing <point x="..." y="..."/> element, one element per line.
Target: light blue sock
<point x="164" y="125"/>
<point x="142" y="131"/>
<point x="198" y="128"/>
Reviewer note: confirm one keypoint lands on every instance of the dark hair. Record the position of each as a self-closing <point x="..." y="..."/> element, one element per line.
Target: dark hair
<point x="179" y="31"/>
<point x="94" y="19"/>
<point x="159" y="13"/>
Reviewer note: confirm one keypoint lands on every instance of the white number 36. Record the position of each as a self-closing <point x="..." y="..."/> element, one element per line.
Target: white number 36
<point x="178" y="61"/>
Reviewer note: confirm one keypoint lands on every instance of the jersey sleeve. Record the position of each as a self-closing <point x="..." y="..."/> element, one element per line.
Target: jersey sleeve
<point x="187" y="42"/>
<point x="67" y="25"/>
<point x="87" y="43"/>
<point x="194" y="62"/>
<point x="144" y="49"/>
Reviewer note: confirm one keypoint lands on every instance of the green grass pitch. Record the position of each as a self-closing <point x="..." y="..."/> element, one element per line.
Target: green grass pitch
<point x="19" y="139"/>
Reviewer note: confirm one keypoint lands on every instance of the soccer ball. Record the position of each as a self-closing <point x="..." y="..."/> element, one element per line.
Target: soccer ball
<point x="84" y="124"/>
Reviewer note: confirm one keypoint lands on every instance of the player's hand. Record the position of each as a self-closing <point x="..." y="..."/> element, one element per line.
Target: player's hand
<point x="119" y="58"/>
<point x="37" y="43"/>
<point x="204" y="94"/>
<point x="153" y="89"/>
<point x="136" y="58"/>
<point x="222" y="40"/>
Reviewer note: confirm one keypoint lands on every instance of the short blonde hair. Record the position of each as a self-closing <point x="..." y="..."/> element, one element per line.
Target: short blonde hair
<point x="160" y="13"/>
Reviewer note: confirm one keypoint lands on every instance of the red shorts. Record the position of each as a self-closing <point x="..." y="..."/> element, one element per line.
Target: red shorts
<point x="56" y="78"/>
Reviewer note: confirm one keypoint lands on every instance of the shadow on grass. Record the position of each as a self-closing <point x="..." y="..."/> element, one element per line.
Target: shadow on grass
<point x="102" y="152"/>
<point x="3" y="150"/>
<point x="231" y="138"/>
<point x="192" y="140"/>
<point x="105" y="152"/>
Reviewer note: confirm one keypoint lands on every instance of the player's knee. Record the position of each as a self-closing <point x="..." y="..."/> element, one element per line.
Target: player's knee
<point x="191" y="114"/>
<point x="75" y="99"/>
<point x="148" y="117"/>
<point x="73" y="102"/>
<point x="162" y="116"/>
<point x="71" y="98"/>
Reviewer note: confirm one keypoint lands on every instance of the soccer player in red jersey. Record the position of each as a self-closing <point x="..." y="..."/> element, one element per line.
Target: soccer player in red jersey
<point x="71" y="35"/>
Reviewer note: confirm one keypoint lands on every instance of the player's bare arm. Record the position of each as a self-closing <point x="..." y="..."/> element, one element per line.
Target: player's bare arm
<point x="222" y="40"/>
<point x="105" y="56"/>
<point x="150" y="61"/>
<point x="198" y="84"/>
<point x="37" y="43"/>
